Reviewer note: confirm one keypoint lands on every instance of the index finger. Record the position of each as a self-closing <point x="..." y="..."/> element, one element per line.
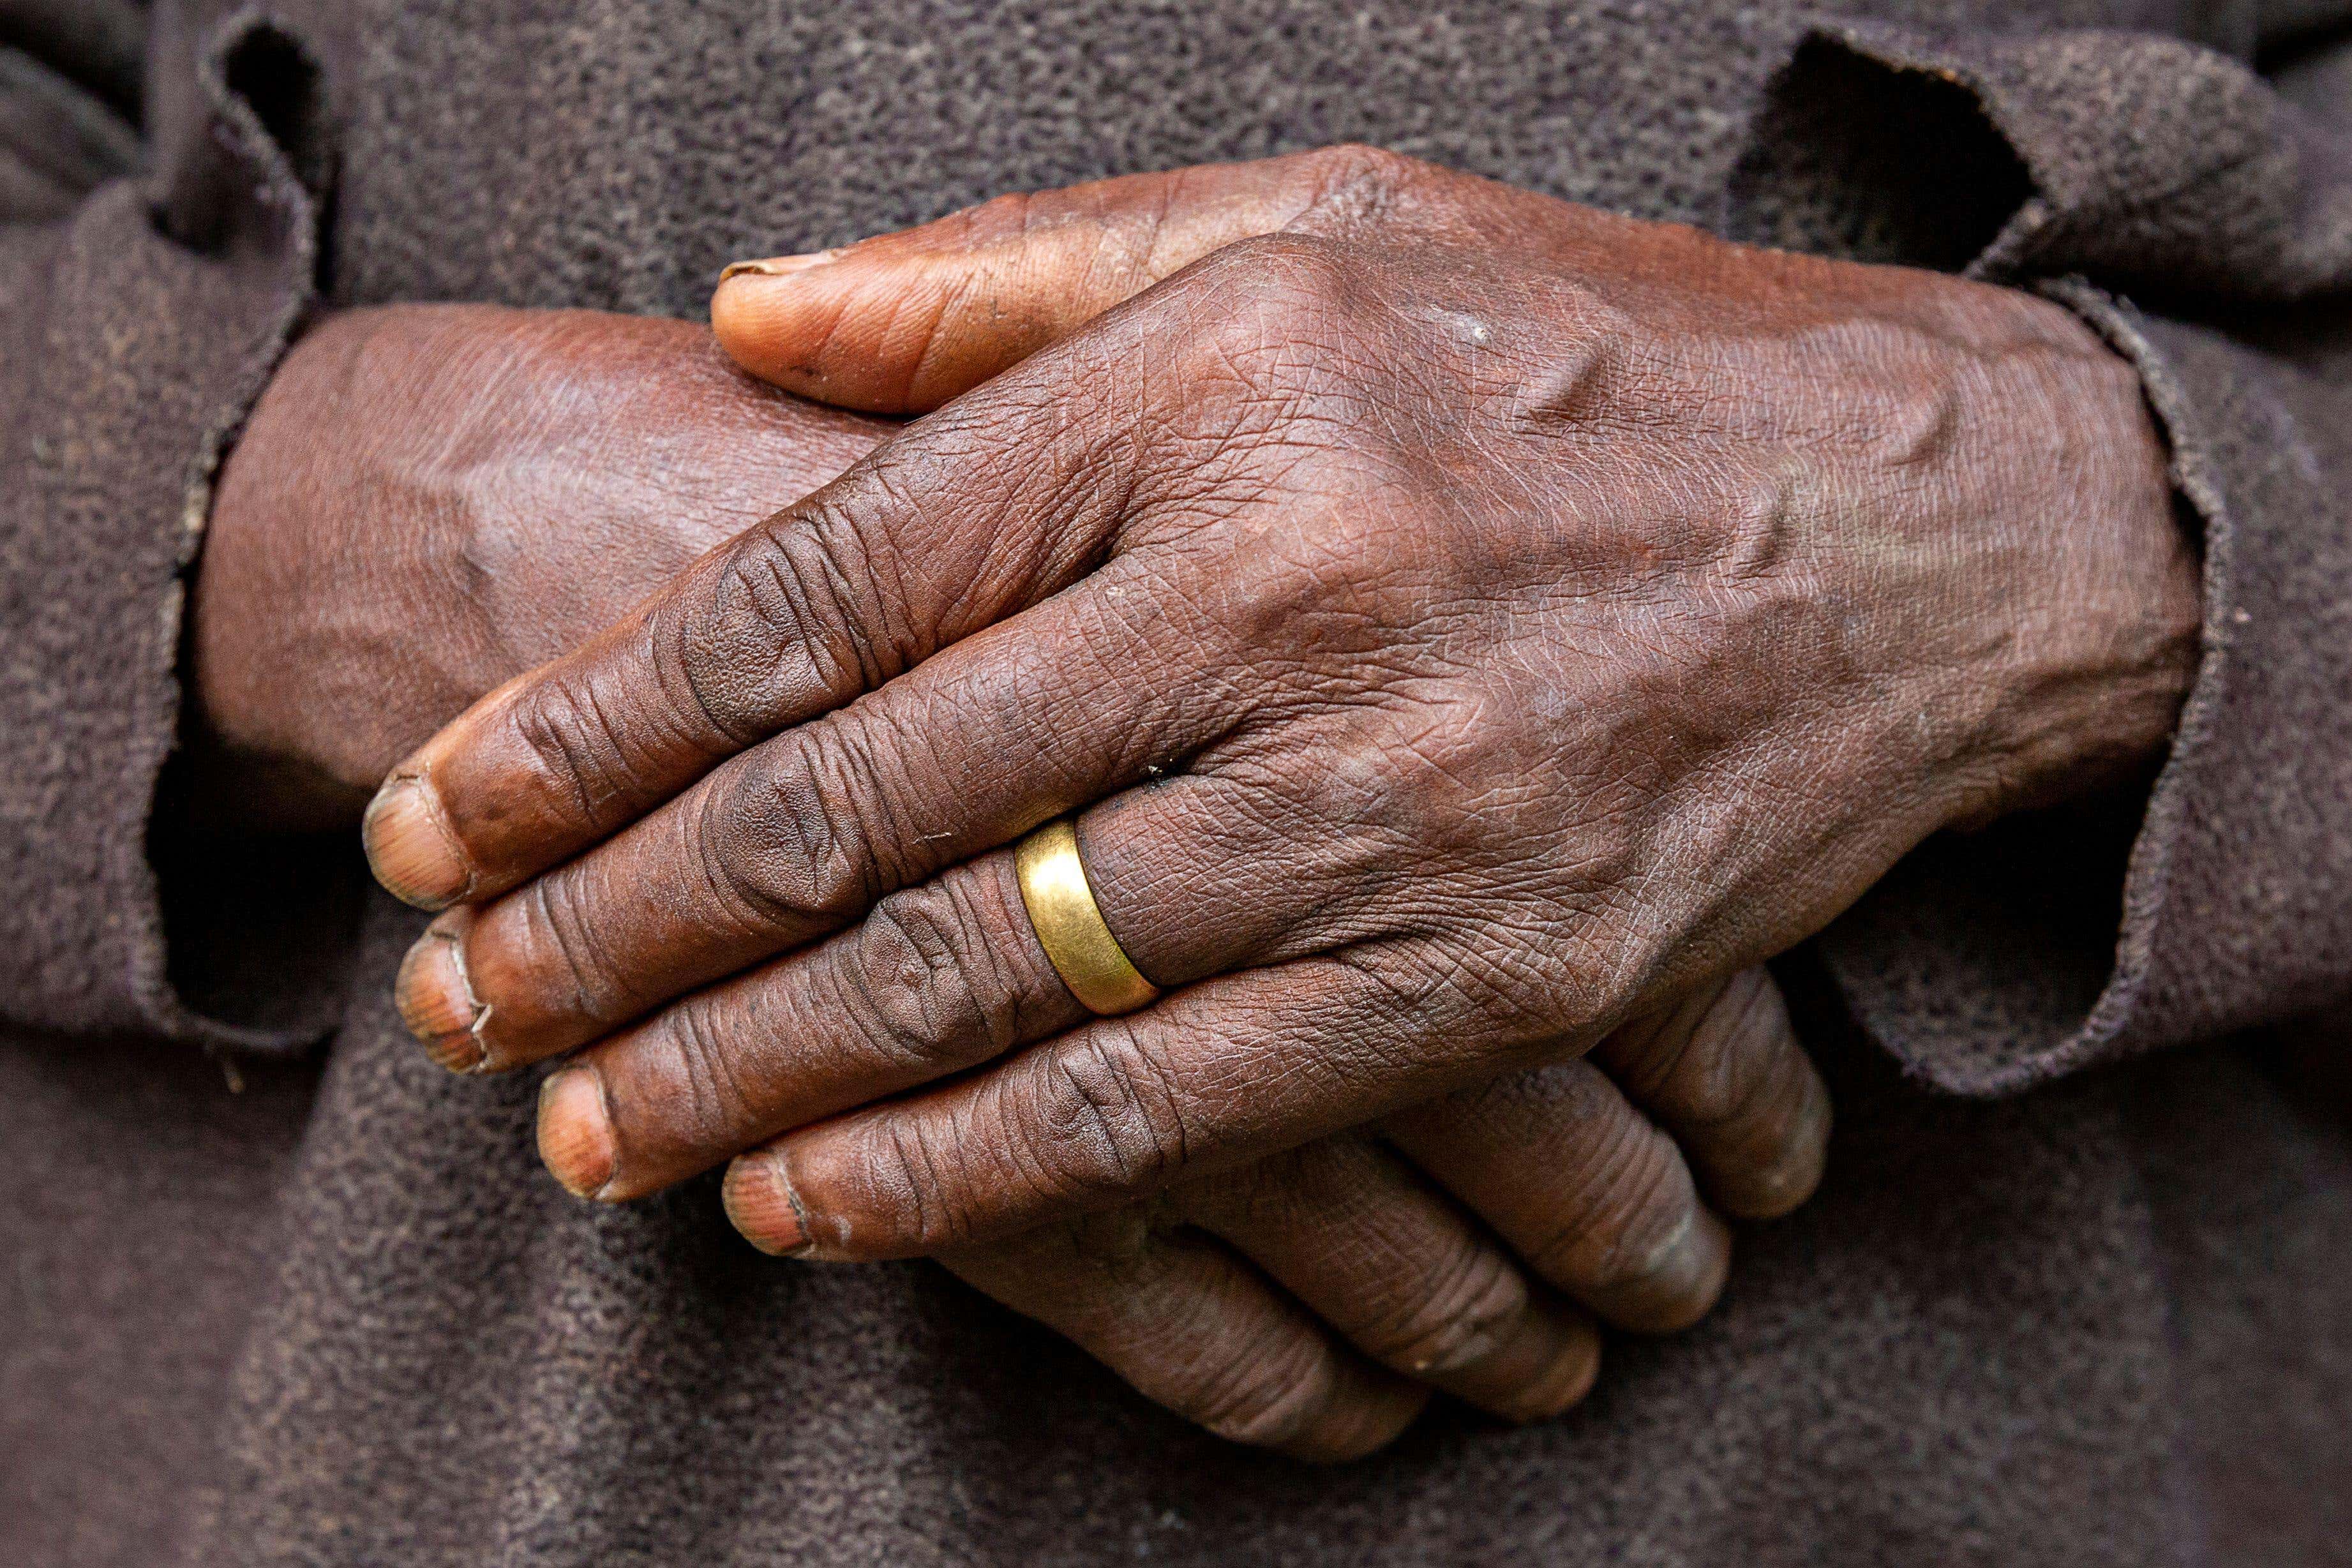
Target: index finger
<point x="903" y="323"/>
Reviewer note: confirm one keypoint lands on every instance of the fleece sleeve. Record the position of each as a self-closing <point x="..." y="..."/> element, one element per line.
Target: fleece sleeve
<point x="157" y="237"/>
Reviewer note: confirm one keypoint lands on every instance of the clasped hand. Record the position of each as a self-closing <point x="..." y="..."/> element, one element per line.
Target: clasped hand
<point x="1473" y="632"/>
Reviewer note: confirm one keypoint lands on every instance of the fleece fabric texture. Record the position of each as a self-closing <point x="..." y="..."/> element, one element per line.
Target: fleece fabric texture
<point x="138" y="326"/>
<point x="339" y="1317"/>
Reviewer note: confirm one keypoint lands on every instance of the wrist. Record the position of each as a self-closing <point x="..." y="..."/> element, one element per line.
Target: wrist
<point x="243" y="765"/>
<point x="2100" y="644"/>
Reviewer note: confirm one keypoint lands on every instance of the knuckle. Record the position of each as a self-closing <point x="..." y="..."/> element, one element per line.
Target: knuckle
<point x="560" y="929"/>
<point x="1292" y="272"/>
<point x="703" y="1096"/>
<point x="1451" y="1316"/>
<point x="1360" y="178"/>
<point x="910" y="1172"/>
<point x="570" y="739"/>
<point x="1707" y="1082"/>
<point x="1613" y="1225"/>
<point x="1281" y="346"/>
<point x="929" y="984"/>
<point x="1107" y="1114"/>
<point x="1248" y="306"/>
<point x="841" y="555"/>
<point x="1720" y="1067"/>
<point x="787" y="839"/>
<point x="1727" y="1061"/>
<point x="1261" y="1391"/>
<point x="780" y="618"/>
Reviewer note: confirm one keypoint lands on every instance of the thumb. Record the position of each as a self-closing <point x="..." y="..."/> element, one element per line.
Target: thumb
<point x="902" y="322"/>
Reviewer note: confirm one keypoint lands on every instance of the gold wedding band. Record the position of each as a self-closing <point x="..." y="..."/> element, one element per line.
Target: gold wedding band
<point x="1069" y="923"/>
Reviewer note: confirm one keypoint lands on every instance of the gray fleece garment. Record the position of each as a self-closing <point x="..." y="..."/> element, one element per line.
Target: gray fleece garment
<point x="2079" y="1288"/>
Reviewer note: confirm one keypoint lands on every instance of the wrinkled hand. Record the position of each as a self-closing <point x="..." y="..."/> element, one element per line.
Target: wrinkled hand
<point x="1471" y="620"/>
<point x="431" y="499"/>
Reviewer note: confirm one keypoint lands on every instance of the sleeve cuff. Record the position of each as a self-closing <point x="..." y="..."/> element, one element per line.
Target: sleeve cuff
<point x="2162" y="170"/>
<point x="138" y="342"/>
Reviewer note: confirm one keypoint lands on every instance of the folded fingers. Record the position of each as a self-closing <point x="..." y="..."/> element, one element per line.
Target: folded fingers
<point x="1607" y="1174"/>
<point x="1194" y="877"/>
<point x="1722" y="1070"/>
<point x="1193" y="1326"/>
<point x="1403" y="1274"/>
<point x="1458" y="1250"/>
<point x="791" y="619"/>
<point x="1310" y="1305"/>
<point x="936" y="978"/>
<point x="799" y="836"/>
<point x="1594" y="1196"/>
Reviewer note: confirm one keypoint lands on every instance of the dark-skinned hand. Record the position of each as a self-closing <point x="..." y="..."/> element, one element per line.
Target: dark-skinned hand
<point x="430" y="499"/>
<point x="1465" y="619"/>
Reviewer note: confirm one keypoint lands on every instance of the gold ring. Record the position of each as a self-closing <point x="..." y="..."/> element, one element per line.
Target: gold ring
<point x="1069" y="923"/>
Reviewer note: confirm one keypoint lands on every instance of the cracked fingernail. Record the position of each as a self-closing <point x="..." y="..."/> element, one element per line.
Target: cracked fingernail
<point x="436" y="1000"/>
<point x="777" y="266"/>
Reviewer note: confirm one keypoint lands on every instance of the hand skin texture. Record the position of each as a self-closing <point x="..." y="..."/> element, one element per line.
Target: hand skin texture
<point x="430" y="499"/>
<point x="1467" y="621"/>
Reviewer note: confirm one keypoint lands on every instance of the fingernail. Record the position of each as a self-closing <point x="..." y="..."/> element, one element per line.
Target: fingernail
<point x="1685" y="1275"/>
<point x="410" y="848"/>
<point x="778" y="266"/>
<point x="1563" y="1382"/>
<point x="1545" y="1362"/>
<point x="1795" y="1177"/>
<point x="759" y="1204"/>
<point x="437" y="1001"/>
<point x="575" y="1134"/>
